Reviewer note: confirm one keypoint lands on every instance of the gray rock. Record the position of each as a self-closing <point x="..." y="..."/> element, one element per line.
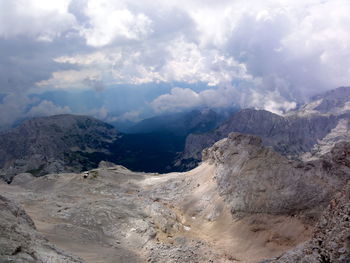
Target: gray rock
<point x="19" y="240"/>
<point x="61" y="143"/>
<point x="256" y="179"/>
<point x="331" y="239"/>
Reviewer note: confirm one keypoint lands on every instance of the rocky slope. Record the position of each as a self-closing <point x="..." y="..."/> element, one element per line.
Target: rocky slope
<point x="331" y="238"/>
<point x="244" y="203"/>
<point x="307" y="133"/>
<point x="256" y="179"/>
<point x="54" y="144"/>
<point x="20" y="241"/>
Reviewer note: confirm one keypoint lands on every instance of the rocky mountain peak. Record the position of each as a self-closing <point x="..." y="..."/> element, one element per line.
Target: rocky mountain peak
<point x="254" y="179"/>
<point x="336" y="101"/>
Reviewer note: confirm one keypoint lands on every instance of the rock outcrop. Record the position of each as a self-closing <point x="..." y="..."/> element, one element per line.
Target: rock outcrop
<point x="256" y="179"/>
<point x="20" y="241"/>
<point x="331" y="238"/>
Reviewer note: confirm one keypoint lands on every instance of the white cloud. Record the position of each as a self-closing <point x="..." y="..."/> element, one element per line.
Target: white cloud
<point x="40" y="19"/>
<point x="180" y="99"/>
<point x="132" y="116"/>
<point x="111" y="20"/>
<point x="47" y="108"/>
<point x="70" y="79"/>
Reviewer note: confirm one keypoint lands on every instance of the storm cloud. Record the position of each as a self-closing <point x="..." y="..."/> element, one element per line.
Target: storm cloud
<point x="266" y="54"/>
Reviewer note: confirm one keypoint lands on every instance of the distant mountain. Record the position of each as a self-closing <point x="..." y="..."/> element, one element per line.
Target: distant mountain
<point x="153" y="144"/>
<point x="334" y="102"/>
<point x="70" y="143"/>
<point x="181" y="124"/>
<point x="55" y="144"/>
<point x="307" y="133"/>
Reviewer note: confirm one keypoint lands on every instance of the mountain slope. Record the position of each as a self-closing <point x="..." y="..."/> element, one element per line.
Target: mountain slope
<point x="180" y="124"/>
<point x="54" y="144"/>
<point x="330" y="240"/>
<point x="21" y="242"/>
<point x="307" y="130"/>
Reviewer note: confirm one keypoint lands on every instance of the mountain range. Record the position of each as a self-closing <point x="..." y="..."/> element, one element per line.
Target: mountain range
<point x="305" y="133"/>
<point x="264" y="188"/>
<point x="67" y="143"/>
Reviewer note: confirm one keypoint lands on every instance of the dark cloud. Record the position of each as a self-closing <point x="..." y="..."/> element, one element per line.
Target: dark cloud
<point x="267" y="54"/>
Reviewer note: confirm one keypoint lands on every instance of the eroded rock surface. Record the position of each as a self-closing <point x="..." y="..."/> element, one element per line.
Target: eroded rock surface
<point x="331" y="238"/>
<point x="20" y="241"/>
<point x="255" y="179"/>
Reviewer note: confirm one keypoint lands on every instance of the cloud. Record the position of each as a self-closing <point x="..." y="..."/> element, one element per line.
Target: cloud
<point x="132" y="116"/>
<point x="40" y="19"/>
<point x="13" y="107"/>
<point x="178" y="99"/>
<point x="267" y="54"/>
<point x="110" y="21"/>
<point x="70" y="79"/>
<point x="47" y="108"/>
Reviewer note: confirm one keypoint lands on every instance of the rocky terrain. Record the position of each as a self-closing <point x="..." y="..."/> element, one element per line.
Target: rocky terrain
<point x="304" y="134"/>
<point x="256" y="179"/>
<point x="21" y="242"/>
<point x="331" y="238"/>
<point x="244" y="203"/>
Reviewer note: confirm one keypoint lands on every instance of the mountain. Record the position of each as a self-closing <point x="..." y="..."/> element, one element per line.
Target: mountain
<point x="244" y="203"/>
<point x="153" y="144"/>
<point x="181" y="124"/>
<point x="67" y="143"/>
<point x="54" y="144"/>
<point x="306" y="133"/>
<point x="256" y="179"/>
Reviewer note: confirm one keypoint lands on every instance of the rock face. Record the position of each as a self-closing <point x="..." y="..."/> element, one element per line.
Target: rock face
<point x="314" y="129"/>
<point x="20" y="242"/>
<point x="256" y="179"/>
<point x="331" y="238"/>
<point x="54" y="144"/>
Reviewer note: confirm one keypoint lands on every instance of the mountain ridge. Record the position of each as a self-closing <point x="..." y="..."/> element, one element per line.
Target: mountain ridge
<point x="294" y="134"/>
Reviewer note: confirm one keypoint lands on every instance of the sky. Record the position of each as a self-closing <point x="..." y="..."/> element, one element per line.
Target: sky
<point x="128" y="59"/>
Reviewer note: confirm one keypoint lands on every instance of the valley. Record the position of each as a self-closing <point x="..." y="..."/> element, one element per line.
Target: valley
<point x="269" y="193"/>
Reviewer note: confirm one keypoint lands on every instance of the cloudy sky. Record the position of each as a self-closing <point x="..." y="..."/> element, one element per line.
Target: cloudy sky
<point x="128" y="59"/>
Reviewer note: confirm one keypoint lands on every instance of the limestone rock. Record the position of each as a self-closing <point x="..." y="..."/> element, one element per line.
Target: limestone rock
<point x="331" y="239"/>
<point x="19" y="240"/>
<point x="256" y="179"/>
